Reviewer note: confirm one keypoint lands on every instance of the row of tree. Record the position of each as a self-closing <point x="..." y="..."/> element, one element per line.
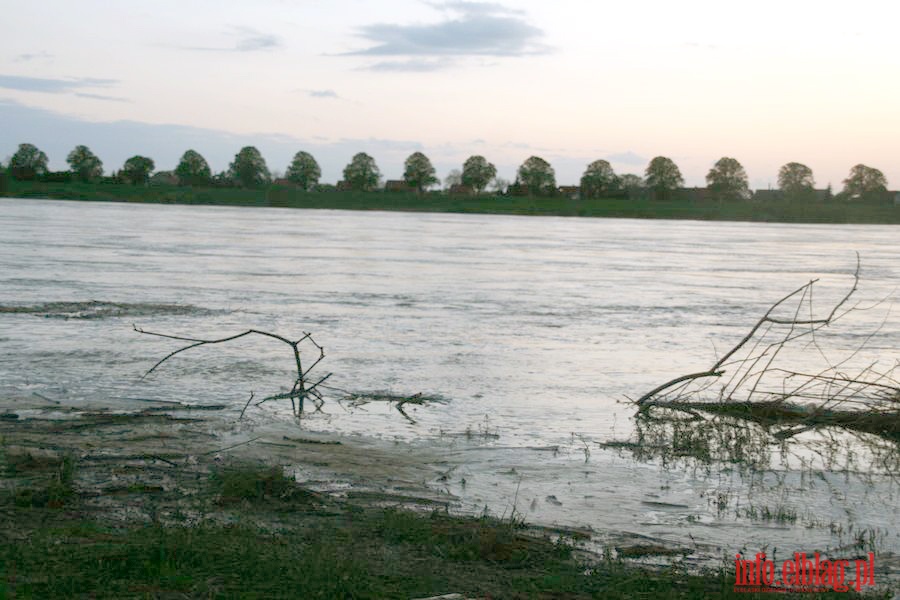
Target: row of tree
<point x="727" y="180"/>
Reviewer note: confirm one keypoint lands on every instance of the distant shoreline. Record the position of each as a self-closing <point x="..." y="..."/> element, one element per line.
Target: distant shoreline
<point x="769" y="211"/>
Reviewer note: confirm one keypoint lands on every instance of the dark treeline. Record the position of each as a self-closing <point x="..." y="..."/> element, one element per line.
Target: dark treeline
<point x="662" y="180"/>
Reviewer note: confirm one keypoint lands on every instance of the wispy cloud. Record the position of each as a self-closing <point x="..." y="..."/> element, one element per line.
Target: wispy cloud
<point x="322" y="94"/>
<point x="476" y="29"/>
<point x="101" y="97"/>
<point x="628" y="158"/>
<point x="246" y="39"/>
<point x="409" y="66"/>
<point x="51" y="86"/>
<point x="29" y="56"/>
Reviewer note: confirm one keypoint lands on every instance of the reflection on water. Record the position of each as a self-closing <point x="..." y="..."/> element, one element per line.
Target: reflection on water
<point x="535" y="331"/>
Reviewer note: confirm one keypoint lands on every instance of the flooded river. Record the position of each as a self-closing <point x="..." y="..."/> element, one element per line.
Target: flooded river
<point x="533" y="331"/>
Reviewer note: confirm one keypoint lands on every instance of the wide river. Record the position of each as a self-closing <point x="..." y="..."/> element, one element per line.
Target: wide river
<point x="535" y="330"/>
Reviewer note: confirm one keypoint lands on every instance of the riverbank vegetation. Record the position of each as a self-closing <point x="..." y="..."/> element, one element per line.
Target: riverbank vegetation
<point x="687" y="207"/>
<point x="601" y="192"/>
<point x="134" y="505"/>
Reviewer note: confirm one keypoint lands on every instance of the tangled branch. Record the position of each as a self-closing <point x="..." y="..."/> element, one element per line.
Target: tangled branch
<point x="759" y="388"/>
<point x="302" y="388"/>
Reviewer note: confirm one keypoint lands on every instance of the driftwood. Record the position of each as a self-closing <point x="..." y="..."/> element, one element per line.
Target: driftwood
<point x="302" y="389"/>
<point x="749" y="383"/>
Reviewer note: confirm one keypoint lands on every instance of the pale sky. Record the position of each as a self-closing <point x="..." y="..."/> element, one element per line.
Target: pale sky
<point x="768" y="82"/>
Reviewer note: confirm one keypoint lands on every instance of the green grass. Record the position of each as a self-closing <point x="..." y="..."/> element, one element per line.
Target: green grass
<point x="274" y="196"/>
<point x="255" y="549"/>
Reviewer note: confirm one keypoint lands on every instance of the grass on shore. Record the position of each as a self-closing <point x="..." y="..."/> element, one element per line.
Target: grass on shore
<point x="248" y="531"/>
<point x="275" y="196"/>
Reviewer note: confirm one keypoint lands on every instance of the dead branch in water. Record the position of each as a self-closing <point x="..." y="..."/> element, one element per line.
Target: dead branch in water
<point x="302" y="388"/>
<point x="760" y="389"/>
<point x="360" y="399"/>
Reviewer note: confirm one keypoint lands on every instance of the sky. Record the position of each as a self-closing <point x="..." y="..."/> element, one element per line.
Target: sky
<point x="571" y="81"/>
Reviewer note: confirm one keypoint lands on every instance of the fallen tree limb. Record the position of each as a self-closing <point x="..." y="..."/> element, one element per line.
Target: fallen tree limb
<point x="653" y="396"/>
<point x="761" y="389"/>
<point x="301" y="389"/>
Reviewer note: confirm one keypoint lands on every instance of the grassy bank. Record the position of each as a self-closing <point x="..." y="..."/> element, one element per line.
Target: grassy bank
<point x="764" y="211"/>
<point x="111" y="505"/>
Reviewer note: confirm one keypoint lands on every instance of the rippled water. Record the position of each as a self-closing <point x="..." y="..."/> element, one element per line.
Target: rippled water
<point x="534" y="329"/>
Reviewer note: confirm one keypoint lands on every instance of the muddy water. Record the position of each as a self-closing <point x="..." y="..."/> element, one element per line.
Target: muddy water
<point x="534" y="330"/>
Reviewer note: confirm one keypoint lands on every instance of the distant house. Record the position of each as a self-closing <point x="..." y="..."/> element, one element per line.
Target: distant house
<point x="284" y="182"/>
<point x="459" y="189"/>
<point x="572" y="192"/>
<point x="397" y="185"/>
<point x="344" y="186"/>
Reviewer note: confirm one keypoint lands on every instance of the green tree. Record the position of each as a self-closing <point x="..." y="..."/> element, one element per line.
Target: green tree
<point x="418" y="172"/>
<point x="796" y="182"/>
<point x="362" y="173"/>
<point x="478" y="172"/>
<point x="663" y="176"/>
<point x="598" y="179"/>
<point x="304" y="171"/>
<point x="727" y="180"/>
<point x="137" y="169"/>
<point x="28" y="162"/>
<point x="84" y="164"/>
<point x="538" y="176"/>
<point x="864" y="183"/>
<point x="193" y="169"/>
<point x="249" y="168"/>
<point x="631" y="182"/>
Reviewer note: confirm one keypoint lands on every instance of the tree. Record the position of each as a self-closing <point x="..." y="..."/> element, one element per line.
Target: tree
<point x="454" y="177"/>
<point x="28" y="162"/>
<point x="304" y="171"/>
<point x="477" y="172"/>
<point x="864" y="183"/>
<point x="84" y="164"/>
<point x="537" y="175"/>
<point x="727" y="180"/>
<point x="663" y="176"/>
<point x="418" y="172"/>
<point x="362" y="173"/>
<point x="598" y="179"/>
<point x="193" y="169"/>
<point x="796" y="181"/>
<point x="631" y="182"/>
<point x="249" y="168"/>
<point x="137" y="169"/>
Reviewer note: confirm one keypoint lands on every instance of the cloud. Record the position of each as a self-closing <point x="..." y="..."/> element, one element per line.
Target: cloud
<point x="409" y="66"/>
<point x="248" y="40"/>
<point x="480" y="29"/>
<point x="322" y="94"/>
<point x="115" y="141"/>
<point x="51" y="86"/>
<point x="101" y="97"/>
<point x="29" y="56"/>
<point x="628" y="158"/>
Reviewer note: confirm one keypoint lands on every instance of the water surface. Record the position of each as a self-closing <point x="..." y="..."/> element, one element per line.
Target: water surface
<point x="535" y="330"/>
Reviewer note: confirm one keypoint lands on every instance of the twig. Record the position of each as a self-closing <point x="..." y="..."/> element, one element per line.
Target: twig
<point x="300" y="390"/>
